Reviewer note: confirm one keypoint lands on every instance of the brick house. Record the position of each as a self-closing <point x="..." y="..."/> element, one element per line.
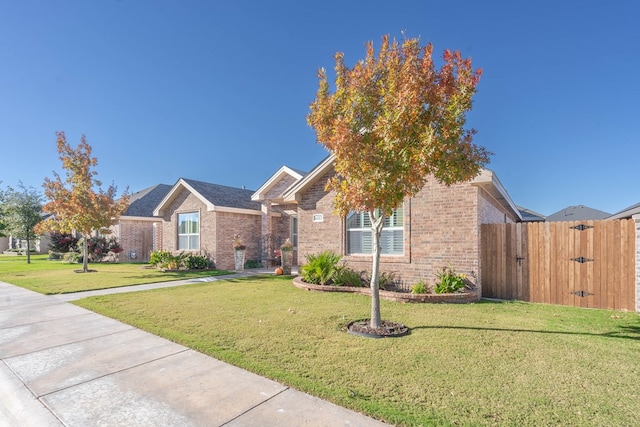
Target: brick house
<point x="137" y="230"/>
<point x="201" y="217"/>
<point x="438" y="227"/>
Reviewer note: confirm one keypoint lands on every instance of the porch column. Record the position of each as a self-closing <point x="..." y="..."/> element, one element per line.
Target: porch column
<point x="266" y="217"/>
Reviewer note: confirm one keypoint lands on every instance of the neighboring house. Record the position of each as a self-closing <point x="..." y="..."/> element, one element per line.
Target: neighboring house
<point x="138" y="231"/>
<point x="530" y="216"/>
<point x="439" y="227"/>
<point x="203" y="218"/>
<point x="577" y="213"/>
<point x="626" y="213"/>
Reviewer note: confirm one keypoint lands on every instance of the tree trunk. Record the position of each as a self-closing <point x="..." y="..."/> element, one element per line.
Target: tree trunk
<point x="85" y="254"/>
<point x="28" y="249"/>
<point x="377" y="221"/>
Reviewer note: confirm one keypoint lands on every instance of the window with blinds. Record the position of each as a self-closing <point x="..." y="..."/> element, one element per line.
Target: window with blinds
<point x="359" y="237"/>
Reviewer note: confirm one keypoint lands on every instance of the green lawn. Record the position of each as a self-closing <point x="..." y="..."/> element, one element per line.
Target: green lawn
<point x="488" y="363"/>
<point x="54" y="277"/>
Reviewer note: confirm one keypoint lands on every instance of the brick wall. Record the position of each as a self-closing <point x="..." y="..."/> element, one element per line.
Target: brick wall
<point x="216" y="230"/>
<point x="137" y="236"/>
<point x="230" y="224"/>
<point x="441" y="229"/>
<point x="636" y="218"/>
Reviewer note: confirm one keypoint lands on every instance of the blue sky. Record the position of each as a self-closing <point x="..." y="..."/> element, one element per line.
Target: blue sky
<point x="218" y="91"/>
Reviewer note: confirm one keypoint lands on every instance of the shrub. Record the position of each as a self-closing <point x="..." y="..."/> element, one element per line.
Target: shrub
<point x="99" y="247"/>
<point x="419" y="288"/>
<point x="196" y="262"/>
<point x="386" y="280"/>
<point x="320" y="268"/>
<point x="449" y="281"/>
<point x="253" y="263"/>
<point x="159" y="259"/>
<point x="345" y="276"/>
<point x="62" y="242"/>
<point x="167" y="261"/>
<point x="71" y="257"/>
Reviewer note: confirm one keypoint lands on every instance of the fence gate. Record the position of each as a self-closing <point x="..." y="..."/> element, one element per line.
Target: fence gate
<point x="579" y="263"/>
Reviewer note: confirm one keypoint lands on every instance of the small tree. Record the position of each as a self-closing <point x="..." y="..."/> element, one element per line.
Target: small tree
<point x="21" y="212"/>
<point x="393" y="122"/>
<point x="74" y="202"/>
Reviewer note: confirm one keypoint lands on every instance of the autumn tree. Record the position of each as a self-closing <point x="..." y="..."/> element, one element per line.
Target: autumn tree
<point x="21" y="211"/>
<point x="78" y="204"/>
<point x="393" y="122"/>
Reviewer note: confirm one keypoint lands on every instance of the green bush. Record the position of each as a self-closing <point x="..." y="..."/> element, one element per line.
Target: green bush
<point x="197" y="262"/>
<point x="183" y="261"/>
<point x="449" y="281"/>
<point x="319" y="269"/>
<point x="253" y="263"/>
<point x="159" y="259"/>
<point x="419" y="288"/>
<point x="344" y="276"/>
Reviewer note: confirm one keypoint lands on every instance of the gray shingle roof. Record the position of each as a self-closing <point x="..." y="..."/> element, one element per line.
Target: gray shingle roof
<point x="145" y="201"/>
<point x="528" y="215"/>
<point x="578" y="213"/>
<point x="627" y="213"/>
<point x="221" y="195"/>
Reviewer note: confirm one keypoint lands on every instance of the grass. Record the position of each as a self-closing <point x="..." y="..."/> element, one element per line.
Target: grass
<point x="489" y="363"/>
<point x="55" y="277"/>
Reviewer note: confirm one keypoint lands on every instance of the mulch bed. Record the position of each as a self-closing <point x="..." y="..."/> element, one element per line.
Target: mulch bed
<point x="387" y="329"/>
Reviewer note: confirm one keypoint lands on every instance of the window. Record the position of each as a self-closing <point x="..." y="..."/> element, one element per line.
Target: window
<point x="360" y="241"/>
<point x="188" y="231"/>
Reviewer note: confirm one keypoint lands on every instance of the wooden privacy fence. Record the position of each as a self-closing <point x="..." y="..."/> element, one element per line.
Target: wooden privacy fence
<point x="579" y="263"/>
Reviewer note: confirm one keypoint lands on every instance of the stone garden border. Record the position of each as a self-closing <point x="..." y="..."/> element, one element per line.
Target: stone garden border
<point x="457" y="298"/>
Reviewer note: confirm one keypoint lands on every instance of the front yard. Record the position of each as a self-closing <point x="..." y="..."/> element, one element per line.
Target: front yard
<point x="488" y="363"/>
<point x="55" y="277"/>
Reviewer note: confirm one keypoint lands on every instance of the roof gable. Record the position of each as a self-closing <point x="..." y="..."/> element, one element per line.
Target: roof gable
<point x="214" y="196"/>
<point x="283" y="173"/>
<point x="486" y="179"/>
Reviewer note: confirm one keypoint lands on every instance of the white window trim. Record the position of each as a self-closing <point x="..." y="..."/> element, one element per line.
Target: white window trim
<point x="369" y="229"/>
<point x="187" y="234"/>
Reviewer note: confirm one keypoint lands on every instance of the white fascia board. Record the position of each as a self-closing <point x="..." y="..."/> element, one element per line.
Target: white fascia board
<point x="293" y="193"/>
<point x="488" y="178"/>
<point x="141" y="218"/>
<point x="284" y="170"/>
<point x="171" y="195"/>
<point x="214" y="208"/>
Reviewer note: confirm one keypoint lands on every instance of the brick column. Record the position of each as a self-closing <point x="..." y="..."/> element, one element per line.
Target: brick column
<point x="636" y="218"/>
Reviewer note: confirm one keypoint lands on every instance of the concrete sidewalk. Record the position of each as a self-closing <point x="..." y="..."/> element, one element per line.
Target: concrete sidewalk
<point x="64" y="365"/>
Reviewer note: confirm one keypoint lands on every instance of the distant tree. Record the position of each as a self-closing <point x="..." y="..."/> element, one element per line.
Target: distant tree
<point x="393" y="122"/>
<point x="3" y="224"/>
<point x="21" y="212"/>
<point x="78" y="203"/>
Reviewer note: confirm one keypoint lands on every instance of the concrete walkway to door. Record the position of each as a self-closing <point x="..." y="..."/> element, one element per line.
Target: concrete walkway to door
<point x="63" y="365"/>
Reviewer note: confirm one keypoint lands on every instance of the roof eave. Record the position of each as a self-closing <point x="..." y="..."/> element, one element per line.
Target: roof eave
<point x="294" y="193"/>
<point x="490" y="183"/>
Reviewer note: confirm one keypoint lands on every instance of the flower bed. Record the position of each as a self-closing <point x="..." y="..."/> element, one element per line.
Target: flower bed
<point x="457" y="298"/>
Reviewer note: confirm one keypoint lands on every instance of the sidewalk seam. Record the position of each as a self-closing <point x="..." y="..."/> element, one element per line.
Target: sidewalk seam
<point x="286" y="388"/>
